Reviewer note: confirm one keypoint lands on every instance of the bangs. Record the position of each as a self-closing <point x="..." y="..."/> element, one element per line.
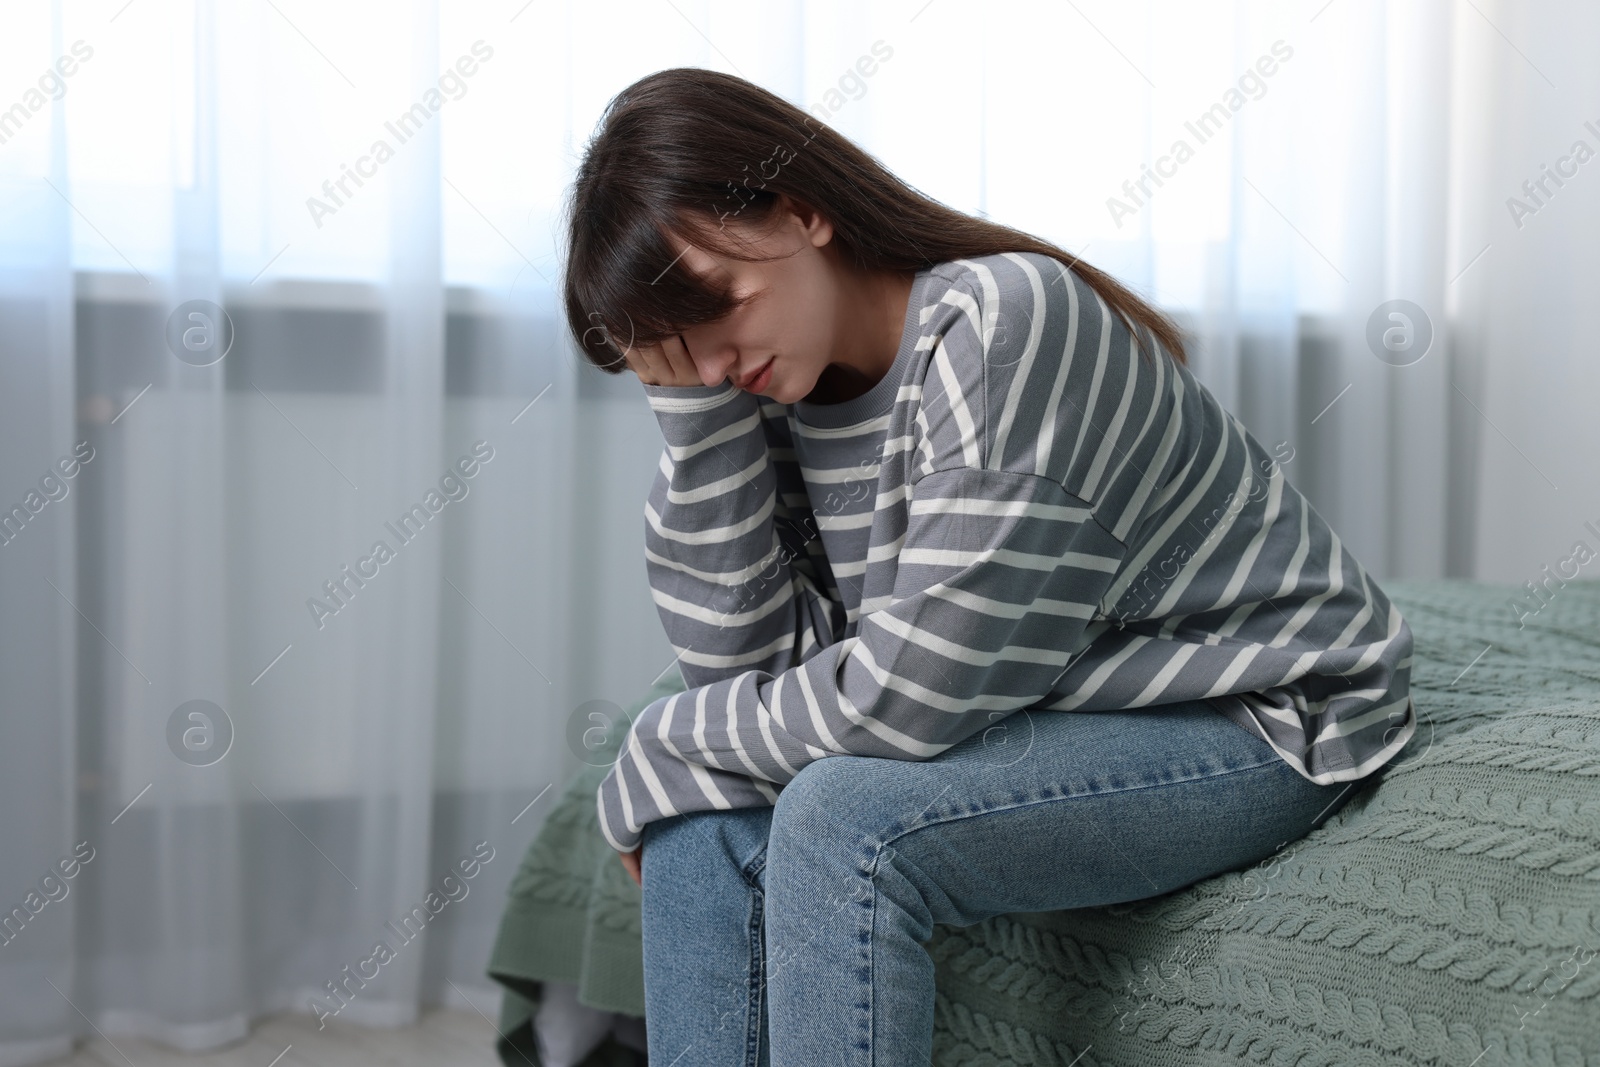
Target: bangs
<point x="641" y="292"/>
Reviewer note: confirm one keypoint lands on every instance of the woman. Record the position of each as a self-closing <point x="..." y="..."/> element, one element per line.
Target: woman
<point x="930" y="483"/>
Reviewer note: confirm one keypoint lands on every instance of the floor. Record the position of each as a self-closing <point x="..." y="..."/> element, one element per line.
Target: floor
<point x="442" y="1037"/>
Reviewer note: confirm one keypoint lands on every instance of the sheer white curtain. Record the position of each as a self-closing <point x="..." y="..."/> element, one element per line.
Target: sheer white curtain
<point x="272" y="739"/>
<point x="193" y="504"/>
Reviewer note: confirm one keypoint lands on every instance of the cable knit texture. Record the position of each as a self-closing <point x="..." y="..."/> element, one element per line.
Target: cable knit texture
<point x="1448" y="914"/>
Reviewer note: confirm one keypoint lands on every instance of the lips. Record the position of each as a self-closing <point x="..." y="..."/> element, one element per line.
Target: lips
<point x="760" y="372"/>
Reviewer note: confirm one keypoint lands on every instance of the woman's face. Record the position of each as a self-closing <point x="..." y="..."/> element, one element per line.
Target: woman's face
<point x="779" y="342"/>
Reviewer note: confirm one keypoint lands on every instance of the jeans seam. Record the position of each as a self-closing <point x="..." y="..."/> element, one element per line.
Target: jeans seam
<point x="872" y="958"/>
<point x="755" y="1006"/>
<point x="1073" y="796"/>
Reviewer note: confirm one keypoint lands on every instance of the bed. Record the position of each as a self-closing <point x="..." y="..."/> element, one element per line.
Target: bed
<point x="1448" y="914"/>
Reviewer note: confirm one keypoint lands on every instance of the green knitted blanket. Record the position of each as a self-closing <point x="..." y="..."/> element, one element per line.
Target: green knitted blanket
<point x="1448" y="914"/>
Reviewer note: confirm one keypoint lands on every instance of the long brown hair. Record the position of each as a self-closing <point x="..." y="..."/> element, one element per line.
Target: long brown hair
<point x="686" y="150"/>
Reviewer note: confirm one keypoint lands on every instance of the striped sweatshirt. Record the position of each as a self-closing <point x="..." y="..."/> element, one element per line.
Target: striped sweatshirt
<point x="1029" y="511"/>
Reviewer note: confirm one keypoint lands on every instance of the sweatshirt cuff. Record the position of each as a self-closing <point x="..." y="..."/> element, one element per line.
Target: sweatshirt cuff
<point x="688" y="414"/>
<point x="688" y="398"/>
<point x="617" y="833"/>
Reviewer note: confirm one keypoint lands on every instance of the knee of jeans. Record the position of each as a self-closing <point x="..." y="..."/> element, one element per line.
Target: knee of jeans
<point x="676" y="835"/>
<point x="659" y="836"/>
<point x="826" y="808"/>
<point x="695" y="841"/>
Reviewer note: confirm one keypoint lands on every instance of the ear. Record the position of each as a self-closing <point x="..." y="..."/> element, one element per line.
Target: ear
<point x="813" y="224"/>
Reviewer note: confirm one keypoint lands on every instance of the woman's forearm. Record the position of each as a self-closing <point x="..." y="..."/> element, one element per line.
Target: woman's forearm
<point x="732" y="592"/>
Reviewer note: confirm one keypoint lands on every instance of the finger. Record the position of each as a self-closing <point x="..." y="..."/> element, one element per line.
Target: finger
<point x="649" y="364"/>
<point x="634" y="361"/>
<point x="676" y="353"/>
<point x="638" y="357"/>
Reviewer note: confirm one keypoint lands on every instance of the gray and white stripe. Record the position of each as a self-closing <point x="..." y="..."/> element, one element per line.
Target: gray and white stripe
<point x="1026" y="513"/>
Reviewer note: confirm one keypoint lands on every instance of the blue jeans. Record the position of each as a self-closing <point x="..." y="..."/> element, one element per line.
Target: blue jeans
<point x="794" y="935"/>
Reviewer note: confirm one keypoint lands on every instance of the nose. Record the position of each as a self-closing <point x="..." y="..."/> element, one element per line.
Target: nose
<point x="714" y="362"/>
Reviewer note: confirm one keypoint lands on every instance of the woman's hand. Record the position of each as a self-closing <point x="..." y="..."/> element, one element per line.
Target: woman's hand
<point x="631" y="861"/>
<point x="666" y="363"/>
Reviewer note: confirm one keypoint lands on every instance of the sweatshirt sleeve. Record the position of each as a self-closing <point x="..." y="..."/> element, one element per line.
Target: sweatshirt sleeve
<point x="730" y="572"/>
<point x="1000" y="573"/>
